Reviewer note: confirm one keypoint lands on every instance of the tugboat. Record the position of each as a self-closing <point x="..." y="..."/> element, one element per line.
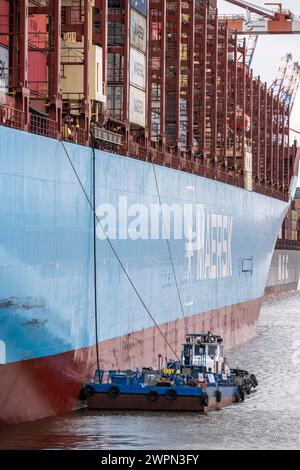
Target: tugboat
<point x="201" y="381"/>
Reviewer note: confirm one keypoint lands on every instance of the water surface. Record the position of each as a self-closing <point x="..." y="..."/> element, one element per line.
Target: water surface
<point x="269" y="419"/>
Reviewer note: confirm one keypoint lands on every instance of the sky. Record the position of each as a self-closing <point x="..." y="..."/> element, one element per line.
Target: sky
<point x="270" y="50"/>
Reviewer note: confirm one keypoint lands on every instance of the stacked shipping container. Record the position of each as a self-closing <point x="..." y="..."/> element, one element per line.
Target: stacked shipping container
<point x="170" y="75"/>
<point x="204" y="102"/>
<point x="127" y="61"/>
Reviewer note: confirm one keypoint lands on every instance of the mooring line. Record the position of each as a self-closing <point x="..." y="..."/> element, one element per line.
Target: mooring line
<point x="116" y="254"/>
<point x="170" y="253"/>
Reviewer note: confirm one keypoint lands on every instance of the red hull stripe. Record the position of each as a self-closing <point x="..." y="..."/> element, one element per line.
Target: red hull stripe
<point x="50" y="386"/>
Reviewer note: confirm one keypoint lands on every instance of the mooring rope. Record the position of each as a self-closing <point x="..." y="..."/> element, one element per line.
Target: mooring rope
<point x="170" y="253"/>
<point x="116" y="254"/>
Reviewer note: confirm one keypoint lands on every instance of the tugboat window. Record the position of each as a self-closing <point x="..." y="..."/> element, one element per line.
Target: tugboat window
<point x="212" y="350"/>
<point x="199" y="350"/>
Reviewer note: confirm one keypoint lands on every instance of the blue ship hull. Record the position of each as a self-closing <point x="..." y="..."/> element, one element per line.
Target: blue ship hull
<point x="46" y="261"/>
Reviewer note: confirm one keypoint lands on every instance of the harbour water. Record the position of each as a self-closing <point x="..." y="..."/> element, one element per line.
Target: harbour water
<point x="269" y="419"/>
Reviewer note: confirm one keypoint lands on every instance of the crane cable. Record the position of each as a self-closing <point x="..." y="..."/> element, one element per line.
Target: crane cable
<point x="294" y="130"/>
<point x="116" y="254"/>
<point x="170" y="253"/>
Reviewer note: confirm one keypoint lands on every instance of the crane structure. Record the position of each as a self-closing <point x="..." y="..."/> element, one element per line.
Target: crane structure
<point x="251" y="47"/>
<point x="291" y="85"/>
<point x="287" y="82"/>
<point x="261" y="20"/>
<point x="282" y="71"/>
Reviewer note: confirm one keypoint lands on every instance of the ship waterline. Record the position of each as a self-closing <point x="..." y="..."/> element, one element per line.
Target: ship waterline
<point x="53" y="383"/>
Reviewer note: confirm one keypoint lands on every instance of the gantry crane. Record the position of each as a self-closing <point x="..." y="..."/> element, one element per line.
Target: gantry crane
<point x="287" y="82"/>
<point x="265" y="21"/>
<point x="251" y="46"/>
<point x="291" y="85"/>
<point x="282" y="71"/>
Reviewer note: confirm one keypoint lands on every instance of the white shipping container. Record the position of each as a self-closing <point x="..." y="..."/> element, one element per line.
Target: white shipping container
<point x="248" y="169"/>
<point x="138" y="31"/>
<point x="137" y="107"/>
<point x="137" y="69"/>
<point x="248" y="162"/>
<point x="4" y="68"/>
<point x="96" y="74"/>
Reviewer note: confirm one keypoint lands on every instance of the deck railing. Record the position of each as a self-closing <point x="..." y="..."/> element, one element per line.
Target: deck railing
<point x="40" y="125"/>
<point x="287" y="244"/>
<point x="11" y="117"/>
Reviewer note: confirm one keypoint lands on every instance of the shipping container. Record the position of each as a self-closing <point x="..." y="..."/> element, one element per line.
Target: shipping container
<point x="114" y="101"/>
<point x="137" y="69"/>
<point x="4" y="21"/>
<point x="138" y="31"/>
<point x="140" y="5"/>
<point x="137" y="107"/>
<point x="4" y="69"/>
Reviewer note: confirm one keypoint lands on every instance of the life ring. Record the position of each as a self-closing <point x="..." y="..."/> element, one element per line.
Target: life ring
<point x="254" y="380"/>
<point x="153" y="395"/>
<point x="171" y="394"/>
<point x="113" y="391"/>
<point x="87" y="391"/>
<point x="205" y="399"/>
<point x="218" y="396"/>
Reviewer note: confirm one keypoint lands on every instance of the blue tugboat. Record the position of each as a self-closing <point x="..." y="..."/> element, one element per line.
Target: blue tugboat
<point x="201" y="381"/>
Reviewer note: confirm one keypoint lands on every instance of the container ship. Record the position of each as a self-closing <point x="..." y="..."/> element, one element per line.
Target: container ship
<point x="284" y="275"/>
<point x="144" y="177"/>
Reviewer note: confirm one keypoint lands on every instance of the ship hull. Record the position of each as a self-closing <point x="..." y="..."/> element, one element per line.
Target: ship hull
<point x="51" y="385"/>
<point x="284" y="273"/>
<point x="212" y="277"/>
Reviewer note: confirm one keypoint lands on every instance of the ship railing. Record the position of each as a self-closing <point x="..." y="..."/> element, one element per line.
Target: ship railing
<point x="77" y="135"/>
<point x="258" y="188"/>
<point x="11" y="117"/>
<point x="282" y="244"/>
<point x="42" y="126"/>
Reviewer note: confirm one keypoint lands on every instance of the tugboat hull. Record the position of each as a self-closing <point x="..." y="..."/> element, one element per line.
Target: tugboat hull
<point x="142" y="403"/>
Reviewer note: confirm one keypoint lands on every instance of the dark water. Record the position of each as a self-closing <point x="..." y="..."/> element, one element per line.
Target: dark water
<point x="269" y="419"/>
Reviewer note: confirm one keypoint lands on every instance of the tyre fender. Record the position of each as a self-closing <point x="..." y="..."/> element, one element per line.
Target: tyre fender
<point x="171" y="394"/>
<point x="205" y="399"/>
<point x="113" y="391"/>
<point x="153" y="395"/>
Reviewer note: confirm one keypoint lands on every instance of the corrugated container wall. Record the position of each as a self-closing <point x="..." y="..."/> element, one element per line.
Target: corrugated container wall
<point x="4" y="55"/>
<point x="127" y="61"/>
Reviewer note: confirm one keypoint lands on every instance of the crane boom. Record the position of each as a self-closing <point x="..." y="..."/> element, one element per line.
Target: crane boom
<point x="281" y="75"/>
<point x="253" y="8"/>
<point x="251" y="46"/>
<point x="267" y="21"/>
<point x="290" y="85"/>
